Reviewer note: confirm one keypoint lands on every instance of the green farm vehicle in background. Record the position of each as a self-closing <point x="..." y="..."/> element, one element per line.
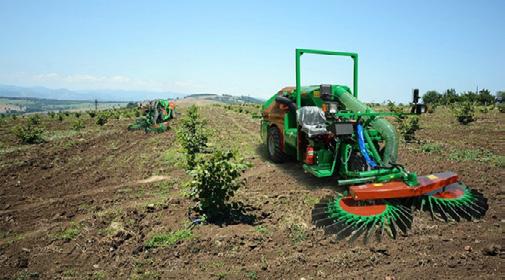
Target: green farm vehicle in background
<point x="155" y="117"/>
<point x="334" y="134"/>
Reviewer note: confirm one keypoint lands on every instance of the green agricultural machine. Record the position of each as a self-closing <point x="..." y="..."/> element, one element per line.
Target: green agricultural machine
<point x="334" y="134"/>
<point x="155" y="116"/>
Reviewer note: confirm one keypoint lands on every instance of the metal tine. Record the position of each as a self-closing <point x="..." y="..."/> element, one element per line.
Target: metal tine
<point x="464" y="213"/>
<point x="324" y="222"/>
<point x="346" y="231"/>
<point x="371" y="229"/>
<point x="479" y="211"/>
<point x="432" y="212"/>
<point x="451" y="212"/>
<point x="407" y="216"/>
<point x="380" y="232"/>
<point x="392" y="226"/>
<point x="399" y="223"/>
<point x="440" y="210"/>
<point x="319" y="216"/>
<point x="319" y="210"/>
<point x="321" y="205"/>
<point x="358" y="232"/>
<point x="406" y="221"/>
<point x="335" y="227"/>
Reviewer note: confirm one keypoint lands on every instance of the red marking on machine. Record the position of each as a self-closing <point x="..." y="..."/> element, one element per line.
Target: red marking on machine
<point x="398" y="189"/>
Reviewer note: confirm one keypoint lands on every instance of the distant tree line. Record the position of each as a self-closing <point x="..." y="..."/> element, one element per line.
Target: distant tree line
<point x="483" y="97"/>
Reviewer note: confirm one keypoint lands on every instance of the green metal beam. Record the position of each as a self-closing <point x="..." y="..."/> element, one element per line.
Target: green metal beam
<point x="300" y="52"/>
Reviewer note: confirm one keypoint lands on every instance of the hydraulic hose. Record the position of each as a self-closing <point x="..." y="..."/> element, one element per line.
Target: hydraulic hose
<point x="362" y="147"/>
<point x="385" y="129"/>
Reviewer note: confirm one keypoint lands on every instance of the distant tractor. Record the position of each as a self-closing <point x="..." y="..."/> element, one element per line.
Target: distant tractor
<point x="334" y="134"/>
<point x="156" y="116"/>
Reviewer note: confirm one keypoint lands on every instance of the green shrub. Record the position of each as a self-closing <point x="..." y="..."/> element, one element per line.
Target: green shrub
<point x="501" y="107"/>
<point x="192" y="135"/>
<point x="66" y="113"/>
<point x="29" y="133"/>
<point x="51" y="114"/>
<point x="60" y="117"/>
<point x="77" y="114"/>
<point x="465" y="112"/>
<point x="34" y="119"/>
<point x="214" y="180"/>
<point x="101" y="120"/>
<point x="392" y="107"/>
<point x="78" y="125"/>
<point x="92" y="114"/>
<point x="14" y="116"/>
<point x="408" y="127"/>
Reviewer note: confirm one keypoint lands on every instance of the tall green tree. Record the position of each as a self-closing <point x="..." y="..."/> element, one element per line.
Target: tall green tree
<point x="432" y="97"/>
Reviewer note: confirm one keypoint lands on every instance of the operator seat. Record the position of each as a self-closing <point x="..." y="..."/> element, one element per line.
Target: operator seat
<point x="312" y="120"/>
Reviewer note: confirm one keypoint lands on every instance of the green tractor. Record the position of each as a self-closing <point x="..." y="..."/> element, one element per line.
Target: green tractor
<point x="334" y="134"/>
<point x="156" y="116"/>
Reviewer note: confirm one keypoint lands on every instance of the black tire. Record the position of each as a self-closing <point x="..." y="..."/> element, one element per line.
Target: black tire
<point x="274" y="145"/>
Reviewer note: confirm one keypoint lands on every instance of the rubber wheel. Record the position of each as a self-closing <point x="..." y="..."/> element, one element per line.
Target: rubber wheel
<point x="274" y="146"/>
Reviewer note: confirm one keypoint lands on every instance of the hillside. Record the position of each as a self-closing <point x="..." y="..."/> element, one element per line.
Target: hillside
<point x="84" y="95"/>
<point x="224" y="98"/>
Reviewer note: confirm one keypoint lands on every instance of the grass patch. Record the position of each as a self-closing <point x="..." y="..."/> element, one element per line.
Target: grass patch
<point x="478" y="155"/>
<point x="173" y="157"/>
<point x="168" y="239"/>
<point x="431" y="148"/>
<point x="69" y="233"/>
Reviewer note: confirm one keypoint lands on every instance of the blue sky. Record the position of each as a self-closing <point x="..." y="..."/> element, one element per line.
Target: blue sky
<point x="247" y="47"/>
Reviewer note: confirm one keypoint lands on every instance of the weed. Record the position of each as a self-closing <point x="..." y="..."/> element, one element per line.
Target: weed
<point x="77" y="115"/>
<point x="310" y="200"/>
<point x="25" y="275"/>
<point x="92" y="114"/>
<point x="60" y="117"/>
<point x="464" y="155"/>
<point x="69" y="273"/>
<point x="221" y="275"/>
<point x="168" y="239"/>
<point x="99" y="275"/>
<point x="251" y="275"/>
<point x="69" y="233"/>
<point x="262" y="229"/>
<point x="297" y="233"/>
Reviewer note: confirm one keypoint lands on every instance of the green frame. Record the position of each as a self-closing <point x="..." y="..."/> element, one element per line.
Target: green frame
<point x="300" y="52"/>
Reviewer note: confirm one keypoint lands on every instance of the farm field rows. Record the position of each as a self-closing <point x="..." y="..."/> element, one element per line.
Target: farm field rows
<point x="91" y="204"/>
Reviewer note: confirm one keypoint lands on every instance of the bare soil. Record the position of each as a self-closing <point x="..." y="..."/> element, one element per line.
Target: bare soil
<point x="83" y="205"/>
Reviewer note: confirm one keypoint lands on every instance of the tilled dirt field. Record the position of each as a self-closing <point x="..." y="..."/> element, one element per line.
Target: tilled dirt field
<point x="83" y="205"/>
